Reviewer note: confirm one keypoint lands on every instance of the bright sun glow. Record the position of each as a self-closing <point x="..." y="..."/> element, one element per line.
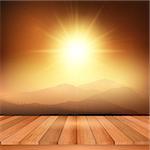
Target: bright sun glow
<point x="78" y="44"/>
<point x="76" y="52"/>
<point x="77" y="48"/>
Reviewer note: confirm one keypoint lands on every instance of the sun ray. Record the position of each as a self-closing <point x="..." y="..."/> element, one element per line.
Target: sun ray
<point x="92" y="23"/>
<point x="102" y="36"/>
<point x="45" y="51"/>
<point x="62" y="26"/>
<point x="78" y="41"/>
<point x="76" y="15"/>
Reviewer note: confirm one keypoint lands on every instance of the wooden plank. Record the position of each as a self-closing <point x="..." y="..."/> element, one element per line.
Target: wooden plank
<point x="147" y="117"/>
<point x="69" y="133"/>
<point x="142" y="118"/>
<point x="4" y="127"/>
<point x="139" y="122"/>
<point x="15" y="128"/>
<point x="4" y="117"/>
<point x="134" y="126"/>
<point x="132" y="134"/>
<point x="75" y="147"/>
<point x="34" y="137"/>
<point x="53" y="133"/>
<point x="99" y="132"/>
<point x="18" y="136"/>
<point x="84" y="134"/>
<point x="84" y="127"/>
<point x="116" y="134"/>
<point x="8" y="120"/>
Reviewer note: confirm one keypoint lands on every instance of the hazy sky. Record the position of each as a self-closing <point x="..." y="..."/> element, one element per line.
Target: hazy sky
<point x="34" y="53"/>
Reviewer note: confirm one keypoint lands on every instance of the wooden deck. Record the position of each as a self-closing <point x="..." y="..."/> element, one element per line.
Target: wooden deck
<point x="102" y="132"/>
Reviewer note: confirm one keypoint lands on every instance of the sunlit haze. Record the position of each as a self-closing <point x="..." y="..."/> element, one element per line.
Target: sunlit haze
<point x="73" y="43"/>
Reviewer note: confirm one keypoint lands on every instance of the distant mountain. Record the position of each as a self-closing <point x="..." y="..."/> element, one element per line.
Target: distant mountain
<point x="88" y="98"/>
<point x="54" y="95"/>
<point x="83" y="107"/>
<point x="125" y="97"/>
<point x="101" y="85"/>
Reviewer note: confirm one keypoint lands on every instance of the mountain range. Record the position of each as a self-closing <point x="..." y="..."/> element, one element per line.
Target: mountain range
<point x="99" y="97"/>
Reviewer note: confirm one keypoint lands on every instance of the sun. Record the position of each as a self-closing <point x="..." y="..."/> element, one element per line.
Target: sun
<point x="76" y="48"/>
<point x="76" y="43"/>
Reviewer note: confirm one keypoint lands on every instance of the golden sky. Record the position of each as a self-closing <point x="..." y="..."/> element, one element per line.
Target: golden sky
<point x="49" y="43"/>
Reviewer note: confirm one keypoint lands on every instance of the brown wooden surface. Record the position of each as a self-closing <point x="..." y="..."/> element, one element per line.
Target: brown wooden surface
<point x="74" y="147"/>
<point x="100" y="134"/>
<point x="69" y="134"/>
<point x="34" y="137"/>
<point x="135" y="136"/>
<point x="54" y="132"/>
<point x="84" y="133"/>
<point x="117" y="135"/>
<point x="75" y="130"/>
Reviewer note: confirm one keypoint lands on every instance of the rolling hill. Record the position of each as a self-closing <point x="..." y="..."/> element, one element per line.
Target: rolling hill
<point x="82" y="107"/>
<point x="101" y="85"/>
<point x="85" y="99"/>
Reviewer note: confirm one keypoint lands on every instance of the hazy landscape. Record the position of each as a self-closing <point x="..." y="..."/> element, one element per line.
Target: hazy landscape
<point x="99" y="97"/>
<point x="74" y="58"/>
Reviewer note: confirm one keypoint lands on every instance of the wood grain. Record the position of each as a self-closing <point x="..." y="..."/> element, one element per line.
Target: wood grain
<point x="142" y="118"/>
<point x="119" y="137"/>
<point x="4" y="117"/>
<point x="101" y="135"/>
<point x="15" y="128"/>
<point x="8" y="120"/>
<point x="74" y="147"/>
<point x="53" y="134"/>
<point x="34" y="137"/>
<point x="69" y="133"/>
<point x="132" y="134"/>
<point x="18" y="136"/>
<point x="139" y="122"/>
<point x="74" y="130"/>
<point x="134" y="126"/>
<point x="84" y="133"/>
<point x="7" y="125"/>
